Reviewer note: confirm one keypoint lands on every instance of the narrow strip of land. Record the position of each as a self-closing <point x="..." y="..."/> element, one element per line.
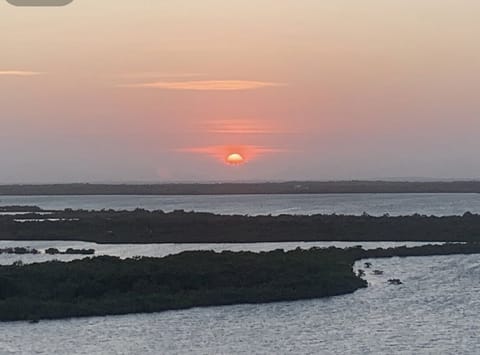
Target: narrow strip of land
<point x="141" y="226"/>
<point x="291" y="187"/>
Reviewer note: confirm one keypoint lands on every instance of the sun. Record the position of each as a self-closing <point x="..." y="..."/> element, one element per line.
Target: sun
<point x="235" y="159"/>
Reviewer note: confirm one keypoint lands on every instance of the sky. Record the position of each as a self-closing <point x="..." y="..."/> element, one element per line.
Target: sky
<point x="152" y="91"/>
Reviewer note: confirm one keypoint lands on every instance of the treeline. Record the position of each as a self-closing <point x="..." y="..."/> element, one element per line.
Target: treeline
<point x="109" y="285"/>
<point x="19" y="251"/>
<point x="141" y="226"/>
<point x="422" y="250"/>
<point x="69" y="251"/>
<point x="292" y="187"/>
<point x="20" y="209"/>
<point x="49" y="251"/>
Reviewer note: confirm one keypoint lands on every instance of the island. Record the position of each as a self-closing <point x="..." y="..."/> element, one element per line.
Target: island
<point x="108" y="285"/>
<point x="111" y="286"/>
<point x="142" y="226"/>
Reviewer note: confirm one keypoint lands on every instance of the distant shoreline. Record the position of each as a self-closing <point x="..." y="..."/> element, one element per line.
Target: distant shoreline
<point x="266" y="188"/>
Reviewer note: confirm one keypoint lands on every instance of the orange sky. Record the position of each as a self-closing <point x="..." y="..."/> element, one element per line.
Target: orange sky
<point x="147" y="90"/>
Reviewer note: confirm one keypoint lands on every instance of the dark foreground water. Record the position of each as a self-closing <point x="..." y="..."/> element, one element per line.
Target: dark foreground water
<point x="435" y="311"/>
<point x="353" y="204"/>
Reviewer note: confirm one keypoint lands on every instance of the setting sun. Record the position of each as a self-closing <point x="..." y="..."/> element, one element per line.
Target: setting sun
<point x="235" y="159"/>
<point x="233" y="154"/>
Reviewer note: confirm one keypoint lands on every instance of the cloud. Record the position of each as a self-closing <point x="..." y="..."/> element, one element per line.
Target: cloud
<point x="18" y="73"/>
<point x="207" y="85"/>
<point x="161" y="75"/>
<point x="236" y="126"/>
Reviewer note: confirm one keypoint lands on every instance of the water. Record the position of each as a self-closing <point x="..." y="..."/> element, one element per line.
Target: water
<point x="160" y="250"/>
<point x="352" y="204"/>
<point x="435" y="311"/>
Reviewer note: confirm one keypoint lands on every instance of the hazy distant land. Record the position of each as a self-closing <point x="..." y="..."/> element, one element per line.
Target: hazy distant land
<point x="292" y="187"/>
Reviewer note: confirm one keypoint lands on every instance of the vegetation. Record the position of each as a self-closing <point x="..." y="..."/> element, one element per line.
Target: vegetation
<point x="70" y="251"/>
<point x="50" y="251"/>
<point x="358" y="253"/>
<point x="19" y="250"/>
<point x="141" y="226"/>
<point x="108" y="285"/>
<point x="20" y="208"/>
<point x="292" y="187"/>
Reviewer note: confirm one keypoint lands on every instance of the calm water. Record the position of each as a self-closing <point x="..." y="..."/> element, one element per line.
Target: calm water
<point x="435" y="311"/>
<point x="161" y="250"/>
<point x="354" y="204"/>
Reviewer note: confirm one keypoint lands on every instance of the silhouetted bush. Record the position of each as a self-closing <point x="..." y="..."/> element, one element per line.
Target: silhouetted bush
<point x="72" y="251"/>
<point x="19" y="250"/>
